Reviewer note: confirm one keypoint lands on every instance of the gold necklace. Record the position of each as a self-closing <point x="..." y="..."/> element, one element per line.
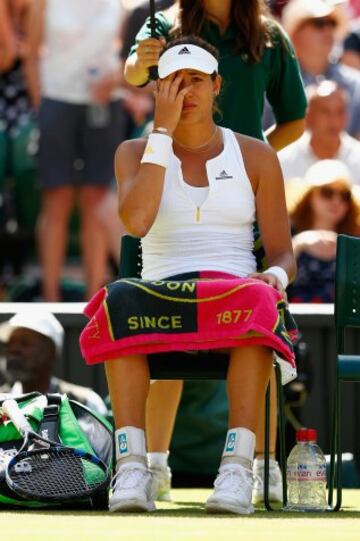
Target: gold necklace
<point x="201" y="147"/>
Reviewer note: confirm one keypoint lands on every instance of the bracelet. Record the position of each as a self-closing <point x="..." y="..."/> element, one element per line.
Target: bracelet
<point x="280" y="274"/>
<point x="158" y="150"/>
<point x="161" y="129"/>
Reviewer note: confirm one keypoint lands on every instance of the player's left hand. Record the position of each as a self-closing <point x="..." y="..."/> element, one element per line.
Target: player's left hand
<point x="270" y="279"/>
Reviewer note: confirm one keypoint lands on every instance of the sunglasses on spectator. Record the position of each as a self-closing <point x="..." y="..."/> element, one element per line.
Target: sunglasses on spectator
<point x="323" y="23"/>
<point x="329" y="193"/>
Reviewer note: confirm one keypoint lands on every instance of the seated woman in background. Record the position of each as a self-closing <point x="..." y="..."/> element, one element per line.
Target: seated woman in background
<point x="192" y="191"/>
<point x="321" y="206"/>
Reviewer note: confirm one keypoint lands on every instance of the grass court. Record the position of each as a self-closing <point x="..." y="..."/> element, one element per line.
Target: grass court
<point x="185" y="519"/>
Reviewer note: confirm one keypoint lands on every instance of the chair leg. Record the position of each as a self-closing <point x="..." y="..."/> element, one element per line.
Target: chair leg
<point x="282" y="437"/>
<point x="339" y="451"/>
<point x="334" y="429"/>
<point x="335" y="471"/>
<point x="267" y="450"/>
<point x="282" y="444"/>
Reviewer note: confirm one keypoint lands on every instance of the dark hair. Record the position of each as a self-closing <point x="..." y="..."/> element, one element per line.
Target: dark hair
<point x="193" y="40"/>
<point x="254" y="27"/>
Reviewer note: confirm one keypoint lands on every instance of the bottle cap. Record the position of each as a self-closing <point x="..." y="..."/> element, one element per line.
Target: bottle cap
<point x="306" y="434"/>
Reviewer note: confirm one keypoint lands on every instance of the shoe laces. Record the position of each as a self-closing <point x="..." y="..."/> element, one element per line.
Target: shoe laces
<point x="128" y="477"/>
<point x="233" y="479"/>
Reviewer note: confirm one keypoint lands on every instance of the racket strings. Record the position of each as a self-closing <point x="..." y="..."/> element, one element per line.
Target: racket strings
<point x="55" y="474"/>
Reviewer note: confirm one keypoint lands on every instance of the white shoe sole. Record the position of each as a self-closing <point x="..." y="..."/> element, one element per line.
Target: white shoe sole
<point x="132" y="506"/>
<point x="217" y="506"/>
<point x="163" y="497"/>
<point x="260" y="499"/>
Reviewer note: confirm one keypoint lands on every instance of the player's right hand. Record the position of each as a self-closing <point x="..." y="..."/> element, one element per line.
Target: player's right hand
<point x="148" y="52"/>
<point x="169" y="98"/>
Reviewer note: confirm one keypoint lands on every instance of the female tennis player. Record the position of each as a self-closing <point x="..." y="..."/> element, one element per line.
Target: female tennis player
<point x="256" y="60"/>
<point x="192" y="191"/>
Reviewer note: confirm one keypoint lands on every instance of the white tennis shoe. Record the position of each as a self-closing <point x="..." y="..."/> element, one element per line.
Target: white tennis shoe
<point x="233" y="489"/>
<point x="275" y="481"/>
<point x="161" y="483"/>
<point x="131" y="489"/>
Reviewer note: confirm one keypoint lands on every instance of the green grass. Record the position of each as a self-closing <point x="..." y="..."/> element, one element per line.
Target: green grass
<point x="184" y="520"/>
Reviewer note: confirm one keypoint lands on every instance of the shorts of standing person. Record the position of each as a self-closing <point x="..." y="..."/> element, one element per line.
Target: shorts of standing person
<point x="74" y="152"/>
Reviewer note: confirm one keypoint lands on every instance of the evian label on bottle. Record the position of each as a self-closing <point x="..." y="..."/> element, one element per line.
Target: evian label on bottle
<point x="307" y="472"/>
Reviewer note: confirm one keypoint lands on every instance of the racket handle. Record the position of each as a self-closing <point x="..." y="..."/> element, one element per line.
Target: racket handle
<point x="12" y="410"/>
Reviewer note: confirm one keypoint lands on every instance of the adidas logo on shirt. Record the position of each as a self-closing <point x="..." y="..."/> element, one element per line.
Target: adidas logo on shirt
<point x="184" y="50"/>
<point x="223" y="175"/>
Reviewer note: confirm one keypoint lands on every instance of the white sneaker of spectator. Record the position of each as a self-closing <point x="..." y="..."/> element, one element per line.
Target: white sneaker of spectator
<point x="275" y="481"/>
<point x="161" y="482"/>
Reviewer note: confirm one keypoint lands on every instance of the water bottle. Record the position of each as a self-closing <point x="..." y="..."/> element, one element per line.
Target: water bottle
<point x="306" y="474"/>
<point x="98" y="114"/>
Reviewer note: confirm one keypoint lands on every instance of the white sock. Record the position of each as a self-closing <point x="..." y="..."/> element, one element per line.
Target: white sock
<point x="158" y="459"/>
<point x="130" y="442"/>
<point x="239" y="445"/>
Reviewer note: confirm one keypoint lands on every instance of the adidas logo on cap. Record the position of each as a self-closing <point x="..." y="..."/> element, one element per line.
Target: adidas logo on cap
<point x="223" y="175"/>
<point x="184" y="50"/>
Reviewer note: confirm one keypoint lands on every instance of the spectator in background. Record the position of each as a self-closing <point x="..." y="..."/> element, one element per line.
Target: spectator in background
<point x="33" y="343"/>
<point x="325" y="136"/>
<point x="74" y="77"/>
<point x="15" y="108"/>
<point x="256" y="59"/>
<point x="321" y="205"/>
<point x="278" y="77"/>
<point x="18" y="137"/>
<point x="314" y="27"/>
<point x="351" y="47"/>
<point x="8" y="48"/>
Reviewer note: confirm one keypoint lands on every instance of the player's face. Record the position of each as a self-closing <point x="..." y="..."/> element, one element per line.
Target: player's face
<point x="199" y="100"/>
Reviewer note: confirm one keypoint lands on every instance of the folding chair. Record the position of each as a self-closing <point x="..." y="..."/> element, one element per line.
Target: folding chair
<point x="209" y="365"/>
<point x="347" y="314"/>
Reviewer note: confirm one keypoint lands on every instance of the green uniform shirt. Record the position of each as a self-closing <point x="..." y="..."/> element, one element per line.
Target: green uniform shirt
<point x="245" y="85"/>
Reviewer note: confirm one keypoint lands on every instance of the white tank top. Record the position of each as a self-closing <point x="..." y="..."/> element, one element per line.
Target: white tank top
<point x="197" y="193"/>
<point x="218" y="234"/>
<point x="79" y="35"/>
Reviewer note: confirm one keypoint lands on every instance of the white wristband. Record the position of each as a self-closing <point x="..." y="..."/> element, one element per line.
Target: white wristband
<point x="158" y="149"/>
<point x="280" y="275"/>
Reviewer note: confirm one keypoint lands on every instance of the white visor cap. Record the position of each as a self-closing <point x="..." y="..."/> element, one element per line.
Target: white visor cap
<point x="186" y="56"/>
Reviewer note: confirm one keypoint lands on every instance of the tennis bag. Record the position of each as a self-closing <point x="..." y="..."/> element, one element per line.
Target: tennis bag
<point x="61" y="419"/>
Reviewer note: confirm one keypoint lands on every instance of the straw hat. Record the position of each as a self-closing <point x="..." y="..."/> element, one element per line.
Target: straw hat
<point x="297" y="12"/>
<point x="321" y="173"/>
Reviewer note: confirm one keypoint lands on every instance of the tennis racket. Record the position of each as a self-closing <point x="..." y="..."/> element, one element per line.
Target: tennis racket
<point x="44" y="470"/>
